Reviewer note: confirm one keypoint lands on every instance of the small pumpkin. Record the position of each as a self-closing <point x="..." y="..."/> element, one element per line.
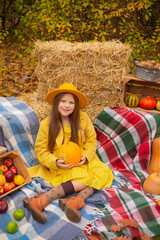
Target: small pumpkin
<point x="152" y="184"/>
<point x="132" y="100"/>
<point x="154" y="165"/>
<point x="70" y="152"/>
<point x="148" y="103"/>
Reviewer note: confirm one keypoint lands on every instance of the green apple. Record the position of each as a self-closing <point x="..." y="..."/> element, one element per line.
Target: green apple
<point x="19" y="214"/>
<point x="1" y="173"/>
<point x="12" y="227"/>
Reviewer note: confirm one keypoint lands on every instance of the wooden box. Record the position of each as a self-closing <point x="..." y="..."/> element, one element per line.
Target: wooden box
<point x="142" y="89"/>
<point x="21" y="168"/>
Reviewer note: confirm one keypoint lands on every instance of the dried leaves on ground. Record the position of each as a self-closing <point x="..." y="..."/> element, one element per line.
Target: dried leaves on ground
<point x="16" y="71"/>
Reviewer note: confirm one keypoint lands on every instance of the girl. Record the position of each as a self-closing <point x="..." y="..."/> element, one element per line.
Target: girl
<point x="68" y="123"/>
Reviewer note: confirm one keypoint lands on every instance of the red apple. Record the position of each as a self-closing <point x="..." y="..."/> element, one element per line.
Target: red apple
<point x="7" y="187"/>
<point x="1" y="190"/>
<point x="9" y="175"/>
<point x="3" y="168"/>
<point x="13" y="169"/>
<point x="3" y="206"/>
<point x="13" y="184"/>
<point x="8" y="162"/>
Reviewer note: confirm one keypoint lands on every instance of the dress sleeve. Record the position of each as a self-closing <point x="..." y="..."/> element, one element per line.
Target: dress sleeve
<point x="90" y="142"/>
<point x="47" y="158"/>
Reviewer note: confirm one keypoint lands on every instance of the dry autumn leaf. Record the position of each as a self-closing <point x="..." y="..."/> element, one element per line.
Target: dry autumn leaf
<point x="93" y="238"/>
<point x="17" y="72"/>
<point x="129" y="222"/>
<point x="144" y="236"/>
<point x="122" y="238"/>
<point x="9" y="117"/>
<point x="116" y="228"/>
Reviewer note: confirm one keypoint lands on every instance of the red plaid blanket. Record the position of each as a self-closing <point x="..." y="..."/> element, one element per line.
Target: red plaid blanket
<point x="124" y="144"/>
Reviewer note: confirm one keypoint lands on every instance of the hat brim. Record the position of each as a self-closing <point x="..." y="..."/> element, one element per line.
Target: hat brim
<point x="82" y="97"/>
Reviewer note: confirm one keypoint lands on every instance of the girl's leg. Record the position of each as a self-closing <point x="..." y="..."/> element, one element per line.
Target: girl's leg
<point x="78" y="186"/>
<point x="86" y="192"/>
<point x="62" y="190"/>
<point x="71" y="205"/>
<point x="36" y="204"/>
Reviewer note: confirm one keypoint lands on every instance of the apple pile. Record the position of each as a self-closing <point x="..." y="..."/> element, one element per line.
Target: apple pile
<point x="8" y="176"/>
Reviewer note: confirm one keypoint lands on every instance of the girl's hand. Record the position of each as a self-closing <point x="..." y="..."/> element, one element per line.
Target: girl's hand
<point x="83" y="159"/>
<point x="61" y="164"/>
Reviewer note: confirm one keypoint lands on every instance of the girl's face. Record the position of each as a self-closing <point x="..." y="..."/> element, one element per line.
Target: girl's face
<point x="66" y="105"/>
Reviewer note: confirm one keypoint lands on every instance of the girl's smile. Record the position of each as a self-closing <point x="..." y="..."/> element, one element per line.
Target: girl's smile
<point x="66" y="105"/>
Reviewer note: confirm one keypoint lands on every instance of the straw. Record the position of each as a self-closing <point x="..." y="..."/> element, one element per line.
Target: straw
<point x="95" y="68"/>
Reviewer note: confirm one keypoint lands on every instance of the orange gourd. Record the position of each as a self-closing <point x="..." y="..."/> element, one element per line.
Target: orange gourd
<point x="154" y="166"/>
<point x="152" y="184"/>
<point x="70" y="152"/>
<point x="148" y="103"/>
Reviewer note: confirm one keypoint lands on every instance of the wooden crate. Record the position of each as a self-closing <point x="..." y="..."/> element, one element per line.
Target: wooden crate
<point x="142" y="89"/>
<point x="21" y="168"/>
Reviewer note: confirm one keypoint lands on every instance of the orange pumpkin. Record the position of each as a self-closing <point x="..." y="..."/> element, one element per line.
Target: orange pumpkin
<point x="148" y="103"/>
<point x="70" y="152"/>
<point x="154" y="165"/>
<point x="152" y="184"/>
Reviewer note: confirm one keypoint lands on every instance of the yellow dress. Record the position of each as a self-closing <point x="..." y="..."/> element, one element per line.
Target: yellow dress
<point x="95" y="173"/>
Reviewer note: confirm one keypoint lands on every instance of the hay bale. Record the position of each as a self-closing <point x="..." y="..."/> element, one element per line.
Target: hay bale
<point x="97" y="69"/>
<point x="42" y="108"/>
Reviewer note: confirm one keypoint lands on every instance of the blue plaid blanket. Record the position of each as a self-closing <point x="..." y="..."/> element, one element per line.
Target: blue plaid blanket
<point x="18" y="129"/>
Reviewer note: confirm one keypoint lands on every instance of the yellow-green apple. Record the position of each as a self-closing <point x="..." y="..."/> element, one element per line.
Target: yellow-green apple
<point x="3" y="168"/>
<point x="18" y="214"/>
<point x="7" y="187"/>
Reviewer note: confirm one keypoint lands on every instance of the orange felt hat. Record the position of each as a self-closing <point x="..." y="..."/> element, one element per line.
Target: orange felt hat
<point x="68" y="88"/>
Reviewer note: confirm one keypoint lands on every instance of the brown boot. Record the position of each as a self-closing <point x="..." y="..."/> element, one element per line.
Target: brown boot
<point x="70" y="206"/>
<point x="35" y="205"/>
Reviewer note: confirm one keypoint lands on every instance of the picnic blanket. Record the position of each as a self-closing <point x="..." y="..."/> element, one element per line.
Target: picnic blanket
<point x="124" y="143"/>
<point x="18" y="129"/>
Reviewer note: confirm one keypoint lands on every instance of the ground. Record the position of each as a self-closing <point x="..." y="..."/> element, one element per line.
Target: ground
<point x="16" y="71"/>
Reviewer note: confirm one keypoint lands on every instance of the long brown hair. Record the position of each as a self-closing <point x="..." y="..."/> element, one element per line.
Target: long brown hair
<point x="55" y="123"/>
